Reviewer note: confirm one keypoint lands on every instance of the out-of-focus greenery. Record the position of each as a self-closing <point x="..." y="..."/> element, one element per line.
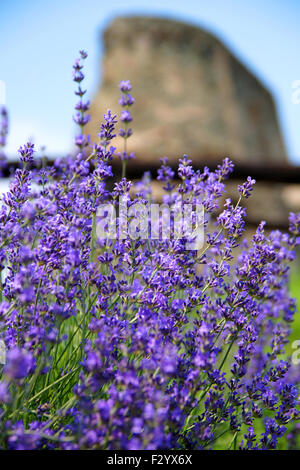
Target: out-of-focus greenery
<point x="295" y="291"/>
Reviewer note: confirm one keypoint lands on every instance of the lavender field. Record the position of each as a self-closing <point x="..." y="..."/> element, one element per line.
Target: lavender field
<point x="133" y="341"/>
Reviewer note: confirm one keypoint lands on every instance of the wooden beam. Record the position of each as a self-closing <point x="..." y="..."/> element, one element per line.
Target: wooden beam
<point x="270" y="172"/>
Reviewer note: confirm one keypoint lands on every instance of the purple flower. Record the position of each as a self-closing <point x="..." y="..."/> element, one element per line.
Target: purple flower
<point x="26" y="153"/>
<point x="19" y="364"/>
<point x="5" y="396"/>
<point x="126" y="116"/>
<point x="125" y="86"/>
<point x="80" y="118"/>
<point x="126" y="100"/>
<point x="246" y="188"/>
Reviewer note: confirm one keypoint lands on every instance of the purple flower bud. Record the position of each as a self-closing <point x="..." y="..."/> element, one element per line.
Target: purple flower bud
<point x="78" y="76"/>
<point x="5" y="396"/>
<point x="20" y="363"/>
<point x="83" y="54"/>
<point x="27" y="152"/>
<point x="125" y="86"/>
<point x="125" y="116"/>
<point x="246" y="188"/>
<point x="126" y="100"/>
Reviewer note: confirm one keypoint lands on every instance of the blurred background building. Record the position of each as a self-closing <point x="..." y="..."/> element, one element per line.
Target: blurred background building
<point x="204" y="75"/>
<point x="192" y="95"/>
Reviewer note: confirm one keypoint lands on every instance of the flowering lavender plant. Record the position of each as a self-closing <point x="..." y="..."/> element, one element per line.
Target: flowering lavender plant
<point x="140" y="343"/>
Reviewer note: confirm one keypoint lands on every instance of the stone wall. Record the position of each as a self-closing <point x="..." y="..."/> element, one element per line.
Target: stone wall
<point x="192" y="95"/>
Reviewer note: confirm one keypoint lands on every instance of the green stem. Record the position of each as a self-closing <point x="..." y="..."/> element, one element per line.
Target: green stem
<point x="52" y="384"/>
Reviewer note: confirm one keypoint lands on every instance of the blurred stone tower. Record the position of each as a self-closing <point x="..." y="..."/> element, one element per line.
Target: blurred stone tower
<point x="192" y="95"/>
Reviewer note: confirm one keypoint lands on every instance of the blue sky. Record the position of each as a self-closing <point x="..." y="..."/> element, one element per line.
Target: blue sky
<point x="40" y="38"/>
